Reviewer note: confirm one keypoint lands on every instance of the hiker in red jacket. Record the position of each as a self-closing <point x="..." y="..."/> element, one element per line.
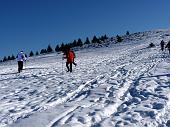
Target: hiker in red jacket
<point x="69" y="55"/>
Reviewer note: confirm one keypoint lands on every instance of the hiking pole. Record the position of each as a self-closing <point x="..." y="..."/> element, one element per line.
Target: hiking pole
<point x="25" y="59"/>
<point x="62" y="65"/>
<point x="25" y="64"/>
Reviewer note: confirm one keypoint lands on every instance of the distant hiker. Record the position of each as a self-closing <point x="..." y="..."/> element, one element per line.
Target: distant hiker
<point x="168" y="46"/>
<point x="20" y="58"/>
<point x="70" y="56"/>
<point x="162" y="45"/>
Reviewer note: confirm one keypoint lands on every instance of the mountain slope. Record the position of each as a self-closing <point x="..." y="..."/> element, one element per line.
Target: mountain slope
<point x="123" y="84"/>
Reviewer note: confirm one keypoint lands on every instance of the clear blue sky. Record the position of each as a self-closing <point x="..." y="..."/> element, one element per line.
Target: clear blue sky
<point x="33" y="24"/>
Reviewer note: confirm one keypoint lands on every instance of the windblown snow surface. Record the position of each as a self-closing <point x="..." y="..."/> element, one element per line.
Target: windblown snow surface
<point x="122" y="84"/>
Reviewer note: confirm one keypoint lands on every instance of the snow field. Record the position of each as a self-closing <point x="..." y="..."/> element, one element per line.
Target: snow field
<point x="124" y="84"/>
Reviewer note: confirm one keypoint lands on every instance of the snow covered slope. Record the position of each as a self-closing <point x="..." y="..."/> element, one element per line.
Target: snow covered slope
<point x="122" y="85"/>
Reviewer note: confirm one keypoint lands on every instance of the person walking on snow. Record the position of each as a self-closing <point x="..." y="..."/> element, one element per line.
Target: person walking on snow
<point x="162" y="45"/>
<point x="20" y="58"/>
<point x="74" y="56"/>
<point x="168" y="46"/>
<point x="70" y="56"/>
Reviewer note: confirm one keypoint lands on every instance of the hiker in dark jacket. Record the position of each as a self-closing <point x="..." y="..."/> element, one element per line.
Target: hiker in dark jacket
<point x="162" y="45"/>
<point x="168" y="46"/>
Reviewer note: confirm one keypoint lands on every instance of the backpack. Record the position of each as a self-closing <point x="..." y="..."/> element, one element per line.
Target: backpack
<point x="70" y="56"/>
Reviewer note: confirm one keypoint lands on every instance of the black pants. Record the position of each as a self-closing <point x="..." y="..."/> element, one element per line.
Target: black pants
<point x="69" y="68"/>
<point x="20" y="66"/>
<point x="162" y="48"/>
<point x="74" y="63"/>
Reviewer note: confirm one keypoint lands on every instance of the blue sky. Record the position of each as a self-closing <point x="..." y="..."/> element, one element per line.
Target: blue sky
<point x="33" y="24"/>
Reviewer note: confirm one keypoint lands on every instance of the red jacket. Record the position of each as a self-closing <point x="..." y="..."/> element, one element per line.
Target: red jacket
<point x="70" y="56"/>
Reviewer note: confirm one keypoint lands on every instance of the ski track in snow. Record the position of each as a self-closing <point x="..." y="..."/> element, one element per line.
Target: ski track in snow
<point x="121" y="85"/>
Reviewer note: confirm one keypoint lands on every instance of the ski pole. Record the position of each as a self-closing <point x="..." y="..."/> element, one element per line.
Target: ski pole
<point x="62" y="65"/>
<point x="25" y="64"/>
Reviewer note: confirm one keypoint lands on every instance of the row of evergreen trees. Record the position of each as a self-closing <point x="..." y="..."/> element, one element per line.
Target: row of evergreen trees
<point x="75" y="43"/>
<point x="8" y="58"/>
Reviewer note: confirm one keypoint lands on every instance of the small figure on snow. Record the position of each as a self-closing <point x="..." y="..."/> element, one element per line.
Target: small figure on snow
<point x="20" y="58"/>
<point x="168" y="46"/>
<point x="162" y="45"/>
<point x="70" y="56"/>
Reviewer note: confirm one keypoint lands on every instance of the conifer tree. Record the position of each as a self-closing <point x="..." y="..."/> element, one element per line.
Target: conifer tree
<point x="37" y="53"/>
<point x="42" y="51"/>
<point x="62" y="47"/>
<point x="70" y="45"/>
<point x="66" y="47"/>
<point x="87" y="41"/>
<point x="4" y="59"/>
<point x="12" y="57"/>
<point x="102" y="38"/>
<point x="95" y="40"/>
<point x="127" y="33"/>
<point x="9" y="58"/>
<point x="119" y="39"/>
<point x="105" y="37"/>
<point x="31" y="54"/>
<point x="74" y="43"/>
<point x="79" y="42"/>
<point x="57" y="48"/>
<point x="45" y="50"/>
<point x="49" y="49"/>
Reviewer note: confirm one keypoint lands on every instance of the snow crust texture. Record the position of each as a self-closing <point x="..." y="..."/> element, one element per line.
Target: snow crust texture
<point x="117" y="85"/>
